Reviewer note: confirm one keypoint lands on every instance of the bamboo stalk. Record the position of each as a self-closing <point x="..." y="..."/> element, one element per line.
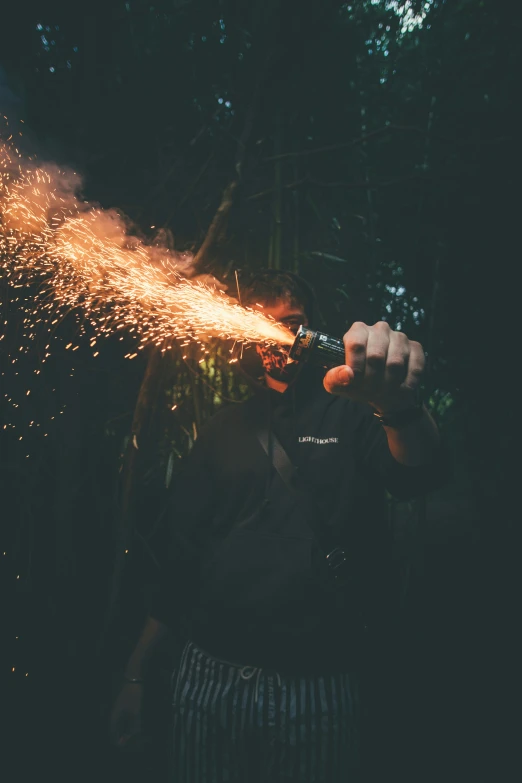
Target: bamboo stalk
<point x="278" y="195"/>
<point x="295" y="265"/>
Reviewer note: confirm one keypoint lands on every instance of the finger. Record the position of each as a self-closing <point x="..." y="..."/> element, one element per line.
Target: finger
<point x="376" y="355"/>
<point x="355" y="342"/>
<point x="416" y="365"/>
<point x="397" y="361"/>
<point x="338" y="380"/>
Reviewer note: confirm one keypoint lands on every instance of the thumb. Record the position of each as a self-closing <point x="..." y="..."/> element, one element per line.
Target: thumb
<point x="338" y="379"/>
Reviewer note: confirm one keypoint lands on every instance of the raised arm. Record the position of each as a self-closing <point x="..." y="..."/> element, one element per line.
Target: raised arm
<point x="384" y="369"/>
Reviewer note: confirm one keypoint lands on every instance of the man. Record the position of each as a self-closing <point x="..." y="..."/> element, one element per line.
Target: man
<point x="267" y="687"/>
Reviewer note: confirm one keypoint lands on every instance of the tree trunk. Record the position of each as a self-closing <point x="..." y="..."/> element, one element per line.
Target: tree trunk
<point x="126" y="519"/>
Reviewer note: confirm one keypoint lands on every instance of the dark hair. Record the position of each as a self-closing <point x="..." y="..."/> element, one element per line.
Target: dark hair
<point x="269" y="285"/>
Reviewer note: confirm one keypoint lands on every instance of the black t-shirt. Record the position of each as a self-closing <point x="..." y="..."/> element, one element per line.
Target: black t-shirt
<point x="245" y="576"/>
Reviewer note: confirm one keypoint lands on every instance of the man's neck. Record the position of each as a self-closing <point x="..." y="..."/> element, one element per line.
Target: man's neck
<point x="279" y="386"/>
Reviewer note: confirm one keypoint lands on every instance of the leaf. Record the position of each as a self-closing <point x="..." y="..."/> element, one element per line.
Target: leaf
<point x="189" y="436"/>
<point x="170" y="470"/>
<point x="328" y="256"/>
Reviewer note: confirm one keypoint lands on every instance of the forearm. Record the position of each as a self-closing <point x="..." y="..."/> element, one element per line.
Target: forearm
<point x="414" y="444"/>
<point x="153" y="632"/>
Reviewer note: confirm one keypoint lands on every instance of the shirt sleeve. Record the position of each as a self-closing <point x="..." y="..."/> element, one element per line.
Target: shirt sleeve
<point x="192" y="498"/>
<point x="403" y="482"/>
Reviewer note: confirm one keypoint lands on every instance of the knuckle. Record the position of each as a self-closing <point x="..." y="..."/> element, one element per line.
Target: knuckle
<point x="396" y="366"/>
<point x="418" y="361"/>
<point x="355" y="344"/>
<point x="415" y="377"/>
<point x="382" y="325"/>
<point x="357" y="332"/>
<point x="375" y="358"/>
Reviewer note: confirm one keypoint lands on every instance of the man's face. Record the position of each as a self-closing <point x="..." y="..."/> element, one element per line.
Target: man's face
<point x="292" y="315"/>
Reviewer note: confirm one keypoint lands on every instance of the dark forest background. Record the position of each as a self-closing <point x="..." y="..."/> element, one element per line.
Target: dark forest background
<point x="371" y="146"/>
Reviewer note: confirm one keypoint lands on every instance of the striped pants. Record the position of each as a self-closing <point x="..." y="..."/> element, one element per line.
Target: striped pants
<point x="240" y="724"/>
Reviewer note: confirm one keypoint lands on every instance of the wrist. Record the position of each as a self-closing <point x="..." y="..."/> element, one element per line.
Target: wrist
<point x="412" y="401"/>
<point x="397" y="418"/>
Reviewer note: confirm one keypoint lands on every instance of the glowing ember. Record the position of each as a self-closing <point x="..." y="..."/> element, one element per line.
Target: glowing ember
<point x="86" y="258"/>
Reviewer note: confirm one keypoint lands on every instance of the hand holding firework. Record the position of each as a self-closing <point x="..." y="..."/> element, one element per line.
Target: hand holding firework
<point x="381" y="367"/>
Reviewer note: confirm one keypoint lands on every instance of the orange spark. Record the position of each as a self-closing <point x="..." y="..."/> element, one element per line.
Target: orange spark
<point x="86" y="259"/>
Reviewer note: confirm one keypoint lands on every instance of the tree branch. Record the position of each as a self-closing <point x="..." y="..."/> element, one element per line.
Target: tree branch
<point x="126" y="522"/>
<point x="218" y="222"/>
<point x="354" y="142"/>
<point x="317" y="183"/>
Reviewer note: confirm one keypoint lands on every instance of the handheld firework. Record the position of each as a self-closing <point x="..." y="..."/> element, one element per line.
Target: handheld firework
<point x="317" y="347"/>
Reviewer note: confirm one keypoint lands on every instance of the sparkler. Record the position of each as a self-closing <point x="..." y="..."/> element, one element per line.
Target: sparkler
<point x="85" y="259"/>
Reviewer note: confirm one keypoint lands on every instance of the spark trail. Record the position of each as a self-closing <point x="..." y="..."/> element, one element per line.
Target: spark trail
<point x="85" y="258"/>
